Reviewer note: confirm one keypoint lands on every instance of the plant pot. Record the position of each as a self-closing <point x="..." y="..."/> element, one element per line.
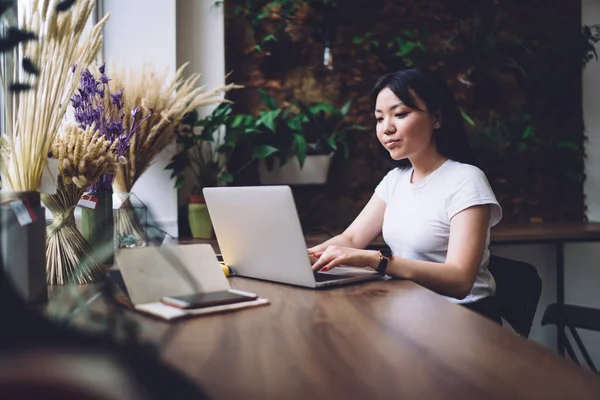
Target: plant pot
<point x="314" y="171"/>
<point x="199" y="219"/>
<point x="23" y="248"/>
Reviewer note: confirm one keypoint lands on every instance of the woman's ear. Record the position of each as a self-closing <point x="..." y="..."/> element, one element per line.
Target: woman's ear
<point x="437" y="119"/>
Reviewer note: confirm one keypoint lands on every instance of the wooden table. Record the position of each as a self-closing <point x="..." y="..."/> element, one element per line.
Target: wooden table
<point x="556" y="234"/>
<point x="376" y="340"/>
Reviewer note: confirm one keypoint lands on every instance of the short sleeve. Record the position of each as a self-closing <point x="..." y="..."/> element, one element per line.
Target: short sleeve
<point x="472" y="189"/>
<point x="386" y="187"/>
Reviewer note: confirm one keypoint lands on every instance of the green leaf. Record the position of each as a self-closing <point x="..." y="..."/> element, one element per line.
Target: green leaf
<point x="332" y="143"/>
<point x="243" y="120"/>
<point x="267" y="118"/>
<point x="318" y="107"/>
<point x="171" y="165"/>
<point x="566" y="144"/>
<point x="207" y="134"/>
<point x="345" y="108"/>
<point x="267" y="99"/>
<point x="225" y="176"/>
<point x="467" y="119"/>
<point x="404" y="47"/>
<point x="345" y="149"/>
<point x="263" y="151"/>
<point x="527" y="132"/>
<point x="179" y="181"/>
<point x="295" y="124"/>
<point x="268" y="38"/>
<point x="300" y="143"/>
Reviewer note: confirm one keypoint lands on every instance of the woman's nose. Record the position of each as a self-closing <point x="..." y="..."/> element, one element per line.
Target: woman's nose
<point x="390" y="128"/>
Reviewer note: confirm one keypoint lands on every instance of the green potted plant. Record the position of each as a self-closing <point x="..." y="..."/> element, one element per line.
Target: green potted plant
<point x="303" y="139"/>
<point x="201" y="153"/>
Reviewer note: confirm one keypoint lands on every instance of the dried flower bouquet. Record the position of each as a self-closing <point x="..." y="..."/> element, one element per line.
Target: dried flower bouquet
<point x="60" y="53"/>
<point x="169" y="104"/>
<point x="95" y="104"/>
<point x="83" y="156"/>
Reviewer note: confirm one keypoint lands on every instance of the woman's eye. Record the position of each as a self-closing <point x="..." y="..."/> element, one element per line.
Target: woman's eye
<point x="401" y="115"/>
<point x="379" y="119"/>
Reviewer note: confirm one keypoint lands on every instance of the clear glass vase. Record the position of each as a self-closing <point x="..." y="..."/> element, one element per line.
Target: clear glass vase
<point x="97" y="226"/>
<point x="22" y="244"/>
<point x="131" y="221"/>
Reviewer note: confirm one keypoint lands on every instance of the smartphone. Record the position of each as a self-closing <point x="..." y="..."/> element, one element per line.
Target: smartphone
<point x="201" y="300"/>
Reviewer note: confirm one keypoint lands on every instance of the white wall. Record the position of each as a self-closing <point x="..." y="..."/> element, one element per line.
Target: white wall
<point x="201" y="42"/>
<point x="590" y="14"/>
<point x="144" y="31"/>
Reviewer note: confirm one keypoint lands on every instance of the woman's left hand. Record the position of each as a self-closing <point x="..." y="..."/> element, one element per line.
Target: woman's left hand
<point x="335" y="256"/>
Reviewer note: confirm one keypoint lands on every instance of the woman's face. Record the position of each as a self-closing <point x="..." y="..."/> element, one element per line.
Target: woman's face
<point x="404" y="132"/>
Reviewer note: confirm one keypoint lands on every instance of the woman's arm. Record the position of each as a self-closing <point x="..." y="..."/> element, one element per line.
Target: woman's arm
<point x="455" y="277"/>
<point x="362" y="231"/>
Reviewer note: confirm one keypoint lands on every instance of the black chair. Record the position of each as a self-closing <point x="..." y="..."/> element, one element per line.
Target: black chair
<point x="518" y="290"/>
<point x="573" y="317"/>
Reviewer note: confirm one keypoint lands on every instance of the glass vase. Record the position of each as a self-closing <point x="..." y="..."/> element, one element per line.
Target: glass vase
<point x="131" y="218"/>
<point x="22" y="255"/>
<point x="97" y="226"/>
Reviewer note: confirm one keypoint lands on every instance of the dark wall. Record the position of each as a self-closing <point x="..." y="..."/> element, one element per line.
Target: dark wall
<point x="515" y="67"/>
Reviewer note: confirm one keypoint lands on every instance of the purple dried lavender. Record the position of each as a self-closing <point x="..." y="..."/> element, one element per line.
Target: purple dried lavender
<point x="90" y="107"/>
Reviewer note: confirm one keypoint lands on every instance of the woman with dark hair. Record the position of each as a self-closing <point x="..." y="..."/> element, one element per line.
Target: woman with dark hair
<point x="435" y="209"/>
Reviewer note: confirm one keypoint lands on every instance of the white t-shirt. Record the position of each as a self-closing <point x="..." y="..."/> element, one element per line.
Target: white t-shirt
<point x="416" y="223"/>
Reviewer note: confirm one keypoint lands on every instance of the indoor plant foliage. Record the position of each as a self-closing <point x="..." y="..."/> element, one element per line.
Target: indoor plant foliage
<point x="84" y="156"/>
<point x="500" y="66"/>
<point x="57" y="58"/>
<point x="299" y="130"/>
<point x="200" y="150"/>
<point x="205" y="147"/>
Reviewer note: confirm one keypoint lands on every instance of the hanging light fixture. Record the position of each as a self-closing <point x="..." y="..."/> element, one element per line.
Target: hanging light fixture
<point x="327" y="39"/>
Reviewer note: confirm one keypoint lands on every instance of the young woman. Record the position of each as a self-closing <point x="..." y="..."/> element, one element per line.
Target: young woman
<point x="435" y="209"/>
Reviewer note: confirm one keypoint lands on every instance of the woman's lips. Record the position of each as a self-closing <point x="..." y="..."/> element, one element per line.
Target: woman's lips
<point x="390" y="144"/>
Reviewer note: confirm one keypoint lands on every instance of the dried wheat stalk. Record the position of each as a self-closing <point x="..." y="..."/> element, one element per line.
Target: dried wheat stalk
<point x="169" y="104"/>
<point x="61" y="53"/>
<point x="83" y="156"/>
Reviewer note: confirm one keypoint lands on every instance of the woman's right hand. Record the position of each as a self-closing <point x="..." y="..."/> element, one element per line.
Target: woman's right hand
<point x="315" y="252"/>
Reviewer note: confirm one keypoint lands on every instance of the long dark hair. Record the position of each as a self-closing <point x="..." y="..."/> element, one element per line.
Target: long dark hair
<point x="451" y="138"/>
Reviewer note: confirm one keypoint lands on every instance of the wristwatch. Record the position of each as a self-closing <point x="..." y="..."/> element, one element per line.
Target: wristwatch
<point x="385" y="256"/>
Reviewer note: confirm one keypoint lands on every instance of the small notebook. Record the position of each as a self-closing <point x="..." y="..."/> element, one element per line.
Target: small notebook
<point x="149" y="273"/>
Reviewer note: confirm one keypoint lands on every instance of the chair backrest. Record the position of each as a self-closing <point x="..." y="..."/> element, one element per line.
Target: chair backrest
<point x="518" y="289"/>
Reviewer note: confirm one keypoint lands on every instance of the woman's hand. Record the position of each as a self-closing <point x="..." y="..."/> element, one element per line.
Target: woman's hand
<point x="334" y="256"/>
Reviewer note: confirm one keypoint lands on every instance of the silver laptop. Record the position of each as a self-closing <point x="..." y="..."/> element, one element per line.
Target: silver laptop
<point x="260" y="236"/>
